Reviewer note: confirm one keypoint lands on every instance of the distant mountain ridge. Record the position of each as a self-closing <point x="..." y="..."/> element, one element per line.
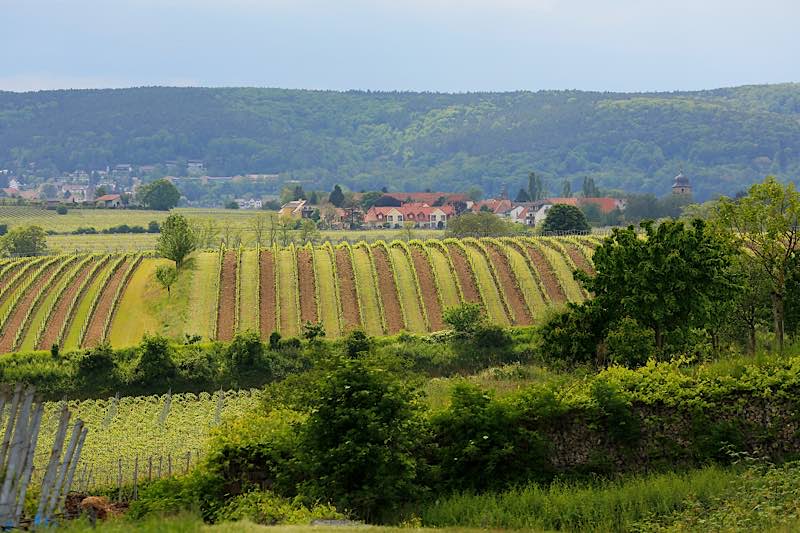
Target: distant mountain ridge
<point x="724" y="139"/>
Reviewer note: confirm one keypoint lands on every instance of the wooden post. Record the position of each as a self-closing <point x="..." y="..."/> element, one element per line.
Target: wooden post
<point x="150" y="468"/>
<point x="55" y="495"/>
<point x="135" y="477"/>
<point x="28" y="468"/>
<point x="188" y="459"/>
<point x="119" y="479"/>
<point x="52" y="466"/>
<point x="12" y="416"/>
<point x="17" y="455"/>
<point x="73" y="464"/>
<point x="169" y="464"/>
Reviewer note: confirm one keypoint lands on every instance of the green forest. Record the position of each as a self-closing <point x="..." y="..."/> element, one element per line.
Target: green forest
<point x="724" y="139"/>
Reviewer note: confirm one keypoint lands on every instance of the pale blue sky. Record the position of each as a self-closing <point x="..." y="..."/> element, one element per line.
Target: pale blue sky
<point x="439" y="45"/>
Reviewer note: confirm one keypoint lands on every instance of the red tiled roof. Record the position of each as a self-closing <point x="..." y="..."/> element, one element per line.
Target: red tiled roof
<point x="108" y="198"/>
<point x="429" y="198"/>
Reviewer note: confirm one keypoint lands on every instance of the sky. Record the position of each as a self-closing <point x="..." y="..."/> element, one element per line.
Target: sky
<point x="420" y="45"/>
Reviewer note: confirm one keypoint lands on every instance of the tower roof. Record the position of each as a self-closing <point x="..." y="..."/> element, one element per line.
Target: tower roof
<point x="680" y="181"/>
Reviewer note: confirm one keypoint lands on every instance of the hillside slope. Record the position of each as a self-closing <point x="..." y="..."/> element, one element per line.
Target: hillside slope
<point x="723" y="139"/>
<point x="381" y="287"/>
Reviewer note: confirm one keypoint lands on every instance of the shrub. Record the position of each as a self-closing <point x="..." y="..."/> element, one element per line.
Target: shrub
<point x="359" y="443"/>
<point x="263" y="507"/>
<point x="465" y="318"/>
<point x="274" y="340"/>
<point x="244" y="350"/>
<point x="155" y="364"/>
<point x="357" y="343"/>
<point x="573" y="335"/>
<point x="153" y="227"/>
<point x="61" y="210"/>
<point x="313" y="330"/>
<point x="629" y="343"/>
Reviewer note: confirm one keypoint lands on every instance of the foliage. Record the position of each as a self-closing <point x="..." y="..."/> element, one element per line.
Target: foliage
<point x="155" y="363"/>
<point x="24" y="241"/>
<point x="263" y="507"/>
<point x="177" y="240"/>
<point x="61" y="210"/>
<point x="465" y="319"/>
<point x="337" y="196"/>
<point x="767" y="223"/>
<point x="160" y="195"/>
<point x="481" y="224"/>
<point x="359" y="441"/>
<point x="628" y="343"/>
<point x="565" y="218"/>
<point x="668" y="281"/>
<point x="166" y="276"/>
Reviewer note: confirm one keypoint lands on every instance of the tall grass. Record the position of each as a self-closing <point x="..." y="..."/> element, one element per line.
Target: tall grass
<point x="611" y="506"/>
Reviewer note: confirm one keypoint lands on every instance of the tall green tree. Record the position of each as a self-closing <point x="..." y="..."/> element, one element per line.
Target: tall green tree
<point x="24" y="241"/>
<point x="337" y="196"/>
<point x="166" y="276"/>
<point x="483" y="224"/>
<point x="668" y="281"/>
<point x="565" y="218"/>
<point x="590" y="190"/>
<point x="536" y="189"/>
<point x="566" y="189"/>
<point x="522" y="196"/>
<point x="177" y="240"/>
<point x="160" y="195"/>
<point x="767" y="222"/>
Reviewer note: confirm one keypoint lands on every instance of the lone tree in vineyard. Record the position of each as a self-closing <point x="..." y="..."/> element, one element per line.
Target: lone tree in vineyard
<point x="166" y="276"/>
<point x="177" y="240"/>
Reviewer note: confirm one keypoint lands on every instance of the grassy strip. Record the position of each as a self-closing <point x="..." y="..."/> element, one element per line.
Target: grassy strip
<point x="133" y="264"/>
<point x="91" y="292"/>
<point x="14" y="298"/>
<point x="289" y="293"/>
<point x="558" y="246"/>
<point x="329" y="307"/>
<point x="408" y="290"/>
<point x="39" y="319"/>
<point x="250" y="276"/>
<point x="531" y="293"/>
<point x="445" y="272"/>
<point x="101" y="262"/>
<point x="96" y="297"/>
<point x="367" y="288"/>
<point x="480" y="247"/>
<point x="492" y="301"/>
<point x="43" y="316"/>
<point x="217" y="287"/>
<point x="275" y="260"/>
<point x="613" y="506"/>
<point x="436" y="280"/>
<point x="562" y="270"/>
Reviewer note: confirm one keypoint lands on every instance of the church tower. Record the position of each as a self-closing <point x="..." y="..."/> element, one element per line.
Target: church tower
<point x="681" y="187"/>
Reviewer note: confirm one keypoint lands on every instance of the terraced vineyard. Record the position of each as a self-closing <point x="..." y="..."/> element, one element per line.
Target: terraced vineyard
<point x="81" y="300"/>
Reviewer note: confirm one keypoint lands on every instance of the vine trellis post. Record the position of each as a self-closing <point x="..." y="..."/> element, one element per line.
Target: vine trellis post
<point x="22" y="424"/>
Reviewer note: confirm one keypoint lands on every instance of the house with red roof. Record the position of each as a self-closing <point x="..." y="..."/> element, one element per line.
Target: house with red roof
<point x="420" y="213"/>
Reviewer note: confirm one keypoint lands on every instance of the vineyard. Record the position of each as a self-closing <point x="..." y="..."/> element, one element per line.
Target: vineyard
<point x="81" y="300"/>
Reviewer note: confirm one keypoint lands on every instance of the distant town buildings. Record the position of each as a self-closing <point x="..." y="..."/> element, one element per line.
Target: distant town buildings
<point x="681" y="186"/>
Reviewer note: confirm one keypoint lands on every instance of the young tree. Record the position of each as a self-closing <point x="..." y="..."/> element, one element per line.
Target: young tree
<point x="160" y="195"/>
<point x="562" y="217"/>
<point x="668" y="281"/>
<point x="337" y="196"/>
<point x="481" y="224"/>
<point x="206" y="232"/>
<point x="522" y="196"/>
<point x="566" y="189"/>
<point x="24" y="241"/>
<point x="408" y="230"/>
<point x="176" y="240"/>
<point x="166" y="276"/>
<point x="258" y="225"/>
<point x="309" y="231"/>
<point x="767" y="222"/>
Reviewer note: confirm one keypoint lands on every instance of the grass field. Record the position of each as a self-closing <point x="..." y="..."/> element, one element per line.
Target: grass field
<point x="191" y="307"/>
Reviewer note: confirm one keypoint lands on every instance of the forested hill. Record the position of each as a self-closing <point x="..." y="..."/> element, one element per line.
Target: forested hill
<point x="724" y="139"/>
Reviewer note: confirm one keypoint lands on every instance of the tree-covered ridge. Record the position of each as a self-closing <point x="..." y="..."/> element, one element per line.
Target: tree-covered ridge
<point x="724" y="139"/>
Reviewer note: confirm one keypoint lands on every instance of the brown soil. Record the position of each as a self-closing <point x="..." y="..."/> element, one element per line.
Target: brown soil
<point x="267" y="295"/>
<point x="94" y="334"/>
<point x="227" y="297"/>
<point x="514" y="296"/>
<point x="388" y="290"/>
<point x="15" y="321"/>
<point x="59" y="314"/>
<point x="464" y="273"/>
<point x="307" y="287"/>
<point x="427" y="285"/>
<point x="546" y="275"/>
<point x="578" y="258"/>
<point x="10" y="274"/>
<point x="347" y="289"/>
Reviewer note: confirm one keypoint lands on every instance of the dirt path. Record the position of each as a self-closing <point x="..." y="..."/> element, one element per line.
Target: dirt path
<point x="464" y="273"/>
<point x="59" y="314"/>
<point x="15" y="321"/>
<point x="388" y="290"/>
<point x="427" y="285"/>
<point x="226" y="318"/>
<point x="347" y="289"/>
<point x="514" y="296"/>
<point x="94" y="333"/>
<point x="266" y="298"/>
<point x="307" y="287"/>
<point x="546" y="275"/>
<point x="579" y="259"/>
